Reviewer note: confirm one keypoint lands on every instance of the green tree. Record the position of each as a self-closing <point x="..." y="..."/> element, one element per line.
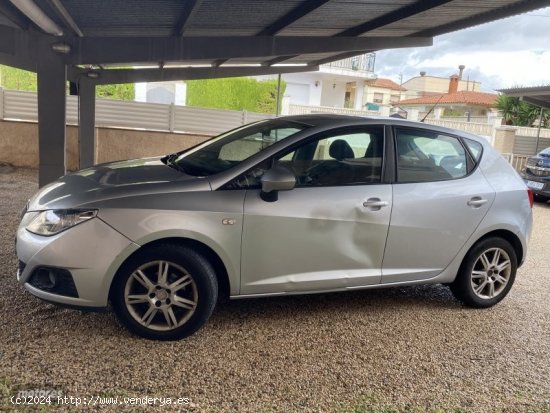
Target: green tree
<point x="520" y="113"/>
<point x="17" y="79"/>
<point x="240" y="93"/>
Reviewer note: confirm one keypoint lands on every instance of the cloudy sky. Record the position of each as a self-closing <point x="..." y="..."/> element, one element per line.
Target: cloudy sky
<point x="506" y="53"/>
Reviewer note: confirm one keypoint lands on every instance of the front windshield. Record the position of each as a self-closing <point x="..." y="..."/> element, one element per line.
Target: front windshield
<point x="231" y="148"/>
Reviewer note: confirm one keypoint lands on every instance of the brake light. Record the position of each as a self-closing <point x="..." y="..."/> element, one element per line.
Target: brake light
<point x="531" y="197"/>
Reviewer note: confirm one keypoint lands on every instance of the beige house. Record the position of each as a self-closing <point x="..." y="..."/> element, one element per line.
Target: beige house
<point x="453" y="103"/>
<point x="425" y="85"/>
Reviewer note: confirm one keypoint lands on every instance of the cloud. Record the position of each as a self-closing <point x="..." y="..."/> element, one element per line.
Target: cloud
<point x="509" y="52"/>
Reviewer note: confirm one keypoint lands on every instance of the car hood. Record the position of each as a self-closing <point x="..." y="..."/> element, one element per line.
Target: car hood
<point x="95" y="185"/>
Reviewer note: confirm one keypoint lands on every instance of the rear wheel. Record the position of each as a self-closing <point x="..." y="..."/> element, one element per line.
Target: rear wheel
<point x="486" y="274"/>
<point x="166" y="292"/>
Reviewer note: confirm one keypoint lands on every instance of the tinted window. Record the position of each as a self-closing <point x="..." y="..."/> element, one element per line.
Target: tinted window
<point x="423" y="156"/>
<point x="338" y="159"/>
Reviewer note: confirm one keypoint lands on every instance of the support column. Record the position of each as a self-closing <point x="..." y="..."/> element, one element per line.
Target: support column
<point x="86" y="123"/>
<point x="359" y="88"/>
<point x="52" y="77"/>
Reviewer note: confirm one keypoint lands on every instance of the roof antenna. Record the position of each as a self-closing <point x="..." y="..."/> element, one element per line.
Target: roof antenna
<point x="432" y="108"/>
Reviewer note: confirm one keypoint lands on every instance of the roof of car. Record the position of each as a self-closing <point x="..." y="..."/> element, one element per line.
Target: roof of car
<point x="325" y="119"/>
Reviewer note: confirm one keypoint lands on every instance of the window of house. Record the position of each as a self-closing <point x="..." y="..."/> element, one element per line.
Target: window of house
<point x="378" y="98"/>
<point x="394" y="98"/>
<point x="424" y="156"/>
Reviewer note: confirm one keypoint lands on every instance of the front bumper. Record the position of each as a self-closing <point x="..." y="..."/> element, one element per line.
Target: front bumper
<point x="90" y="252"/>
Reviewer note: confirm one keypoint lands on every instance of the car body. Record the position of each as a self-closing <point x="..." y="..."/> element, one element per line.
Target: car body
<point x="537" y="174"/>
<point x="293" y="205"/>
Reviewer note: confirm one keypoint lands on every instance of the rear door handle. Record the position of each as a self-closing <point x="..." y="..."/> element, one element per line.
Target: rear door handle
<point x="374" y="204"/>
<point x="476" y="202"/>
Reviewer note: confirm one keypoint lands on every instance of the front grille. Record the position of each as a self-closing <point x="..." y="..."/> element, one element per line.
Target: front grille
<point x="54" y="280"/>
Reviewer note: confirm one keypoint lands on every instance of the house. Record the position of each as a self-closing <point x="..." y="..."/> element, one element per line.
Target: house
<point x="425" y="85"/>
<point x="338" y="84"/>
<point x="381" y="91"/>
<point x="454" y="102"/>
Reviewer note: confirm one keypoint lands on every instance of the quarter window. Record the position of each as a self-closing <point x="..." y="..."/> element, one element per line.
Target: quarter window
<point x="424" y="156"/>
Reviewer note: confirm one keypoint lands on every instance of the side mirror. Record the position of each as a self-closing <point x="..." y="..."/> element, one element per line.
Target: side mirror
<point x="275" y="180"/>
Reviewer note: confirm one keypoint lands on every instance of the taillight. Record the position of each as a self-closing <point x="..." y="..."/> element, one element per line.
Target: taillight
<point x="531" y="197"/>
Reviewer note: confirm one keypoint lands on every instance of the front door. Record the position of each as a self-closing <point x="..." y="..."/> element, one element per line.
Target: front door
<point x="329" y="232"/>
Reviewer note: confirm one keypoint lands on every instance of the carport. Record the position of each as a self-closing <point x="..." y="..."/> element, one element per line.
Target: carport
<point x="117" y="41"/>
<point x="536" y="95"/>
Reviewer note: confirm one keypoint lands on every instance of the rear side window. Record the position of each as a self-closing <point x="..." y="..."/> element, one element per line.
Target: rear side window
<point x="475" y="148"/>
<point x="425" y="156"/>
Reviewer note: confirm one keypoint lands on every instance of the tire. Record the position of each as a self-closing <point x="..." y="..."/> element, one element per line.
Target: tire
<point x="492" y="261"/>
<point x="165" y="292"/>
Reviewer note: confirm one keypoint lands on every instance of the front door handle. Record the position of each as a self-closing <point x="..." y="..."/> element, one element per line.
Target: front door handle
<point x="374" y="204"/>
<point x="476" y="202"/>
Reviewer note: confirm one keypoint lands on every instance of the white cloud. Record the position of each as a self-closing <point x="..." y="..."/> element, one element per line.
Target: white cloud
<point x="509" y="52"/>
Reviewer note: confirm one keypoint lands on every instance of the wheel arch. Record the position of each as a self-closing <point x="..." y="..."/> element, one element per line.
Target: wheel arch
<point x="224" y="286"/>
<point x="509" y="236"/>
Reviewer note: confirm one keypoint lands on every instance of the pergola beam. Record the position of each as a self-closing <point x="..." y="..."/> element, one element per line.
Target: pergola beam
<point x="14" y="15"/>
<point x="295" y="14"/>
<point x="64" y="14"/>
<point x="488" y="16"/>
<point x="279" y="59"/>
<point x="189" y="8"/>
<point x="393" y="16"/>
<point x="114" y="76"/>
<point x="123" y="50"/>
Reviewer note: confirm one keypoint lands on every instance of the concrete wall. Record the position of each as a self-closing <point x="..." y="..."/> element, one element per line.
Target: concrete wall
<point x="19" y="144"/>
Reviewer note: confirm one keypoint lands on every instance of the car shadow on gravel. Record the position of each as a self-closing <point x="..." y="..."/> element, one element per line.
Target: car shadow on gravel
<point x="257" y="311"/>
<point x="387" y="299"/>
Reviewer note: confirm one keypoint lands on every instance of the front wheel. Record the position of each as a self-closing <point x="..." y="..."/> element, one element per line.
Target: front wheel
<point x="165" y="292"/>
<point x="486" y="274"/>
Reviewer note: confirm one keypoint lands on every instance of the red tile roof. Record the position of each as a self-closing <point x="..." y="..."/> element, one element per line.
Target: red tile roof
<point x="463" y="97"/>
<point x="385" y="84"/>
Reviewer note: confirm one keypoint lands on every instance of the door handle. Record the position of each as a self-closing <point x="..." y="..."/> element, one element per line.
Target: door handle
<point x="476" y="202"/>
<point x="375" y="204"/>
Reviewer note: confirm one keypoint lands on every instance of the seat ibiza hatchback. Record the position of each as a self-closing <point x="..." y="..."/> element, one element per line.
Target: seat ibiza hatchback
<point x="293" y="205"/>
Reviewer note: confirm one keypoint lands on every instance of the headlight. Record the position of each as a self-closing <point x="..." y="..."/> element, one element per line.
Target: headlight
<point x="52" y="222"/>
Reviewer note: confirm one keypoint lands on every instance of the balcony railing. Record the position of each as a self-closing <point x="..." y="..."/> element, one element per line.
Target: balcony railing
<point x="362" y="63"/>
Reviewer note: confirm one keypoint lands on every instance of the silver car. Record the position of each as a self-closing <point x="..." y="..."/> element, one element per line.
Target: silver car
<point x="293" y="205"/>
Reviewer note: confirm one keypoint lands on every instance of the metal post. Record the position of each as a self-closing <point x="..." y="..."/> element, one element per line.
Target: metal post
<point x="52" y="77"/>
<point x="278" y="94"/>
<point x="538" y="129"/>
<point x="86" y="122"/>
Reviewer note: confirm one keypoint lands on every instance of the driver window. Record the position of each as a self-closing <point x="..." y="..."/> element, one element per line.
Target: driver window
<point x="350" y="158"/>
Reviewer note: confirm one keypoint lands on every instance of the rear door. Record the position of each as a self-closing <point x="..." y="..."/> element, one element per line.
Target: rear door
<point x="439" y="199"/>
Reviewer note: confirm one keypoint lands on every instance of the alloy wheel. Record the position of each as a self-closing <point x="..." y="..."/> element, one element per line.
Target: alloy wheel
<point x="161" y="295"/>
<point x="491" y="273"/>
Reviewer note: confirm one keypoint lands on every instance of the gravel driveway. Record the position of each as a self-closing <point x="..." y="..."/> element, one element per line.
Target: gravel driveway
<point x="407" y="349"/>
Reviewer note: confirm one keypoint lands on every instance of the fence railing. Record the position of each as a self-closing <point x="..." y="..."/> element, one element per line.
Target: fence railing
<point x="517" y="161"/>
<point x="306" y="110"/>
<point x="473" y="127"/>
<point x="17" y="105"/>
<point x="363" y="63"/>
